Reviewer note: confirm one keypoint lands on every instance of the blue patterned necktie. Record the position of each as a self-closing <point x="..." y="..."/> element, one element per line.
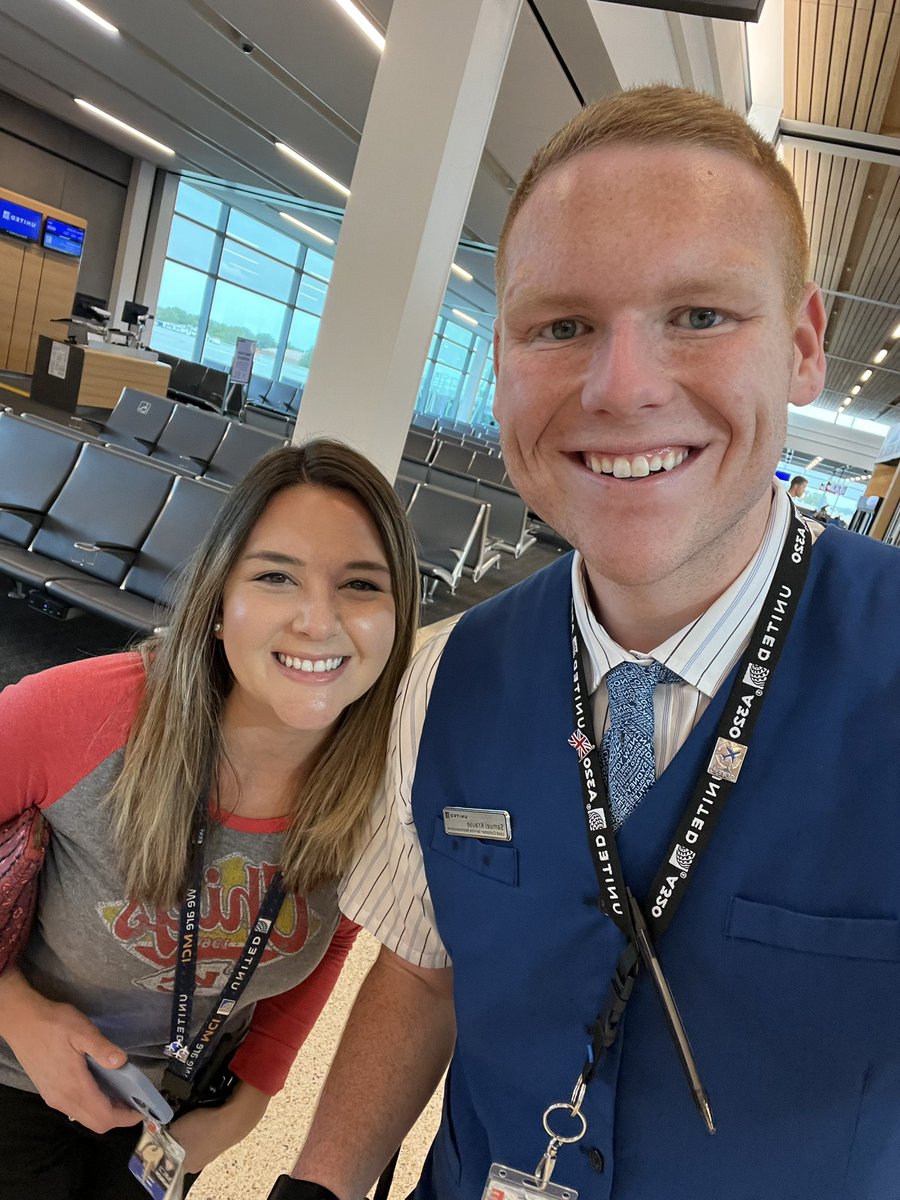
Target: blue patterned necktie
<point x="627" y="745"/>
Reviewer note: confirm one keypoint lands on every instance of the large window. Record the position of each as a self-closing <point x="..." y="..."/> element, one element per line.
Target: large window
<point x="229" y="276"/>
<point x="458" y="382"/>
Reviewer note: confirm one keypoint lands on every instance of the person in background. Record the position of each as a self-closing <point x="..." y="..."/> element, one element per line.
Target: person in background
<point x="228" y="763"/>
<point x="605" y="805"/>
<point x="797" y="488"/>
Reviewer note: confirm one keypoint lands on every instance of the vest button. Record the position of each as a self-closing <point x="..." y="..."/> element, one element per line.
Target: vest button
<point x="596" y="1159"/>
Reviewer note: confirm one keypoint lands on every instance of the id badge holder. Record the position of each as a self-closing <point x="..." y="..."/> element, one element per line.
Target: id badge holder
<point x="157" y="1163"/>
<point x="505" y="1183"/>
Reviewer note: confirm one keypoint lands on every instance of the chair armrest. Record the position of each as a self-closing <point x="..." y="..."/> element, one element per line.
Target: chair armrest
<point x="85" y="421"/>
<point x="19" y="510"/>
<point x="126" y="553"/>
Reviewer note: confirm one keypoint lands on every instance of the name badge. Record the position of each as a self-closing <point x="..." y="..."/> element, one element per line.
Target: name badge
<point x="491" y="823"/>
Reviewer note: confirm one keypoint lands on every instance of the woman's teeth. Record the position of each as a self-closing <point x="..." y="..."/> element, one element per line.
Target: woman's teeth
<point x="317" y="665"/>
<point x="635" y="466"/>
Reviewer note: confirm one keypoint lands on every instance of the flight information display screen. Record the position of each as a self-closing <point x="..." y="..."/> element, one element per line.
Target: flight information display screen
<point x="20" y="221"/>
<point x="67" y="239"/>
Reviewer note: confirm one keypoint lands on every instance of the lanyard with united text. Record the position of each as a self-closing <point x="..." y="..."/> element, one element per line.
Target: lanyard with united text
<point x="643" y="925"/>
<point x="186" y="1056"/>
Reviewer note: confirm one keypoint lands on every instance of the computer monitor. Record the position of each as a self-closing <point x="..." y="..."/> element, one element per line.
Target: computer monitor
<point x="83" y="306"/>
<point x="131" y="312"/>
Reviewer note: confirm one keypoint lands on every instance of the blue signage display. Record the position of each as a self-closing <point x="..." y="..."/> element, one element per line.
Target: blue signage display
<point x="67" y="239"/>
<point x="20" y="221"/>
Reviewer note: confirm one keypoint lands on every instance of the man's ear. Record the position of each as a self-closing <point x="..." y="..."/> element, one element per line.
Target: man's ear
<point x="808" y="377"/>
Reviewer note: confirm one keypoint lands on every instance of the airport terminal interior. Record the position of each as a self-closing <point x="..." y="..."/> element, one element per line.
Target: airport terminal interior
<point x="225" y="226"/>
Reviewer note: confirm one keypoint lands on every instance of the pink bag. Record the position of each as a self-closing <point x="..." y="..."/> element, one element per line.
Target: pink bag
<point x="23" y="844"/>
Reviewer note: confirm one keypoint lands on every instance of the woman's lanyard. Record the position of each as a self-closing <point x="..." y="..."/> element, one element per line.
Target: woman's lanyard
<point x="186" y="1057"/>
<point x="644" y="925"/>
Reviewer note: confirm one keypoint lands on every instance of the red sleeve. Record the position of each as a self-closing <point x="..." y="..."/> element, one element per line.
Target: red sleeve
<point x="282" y="1023"/>
<point x="57" y="726"/>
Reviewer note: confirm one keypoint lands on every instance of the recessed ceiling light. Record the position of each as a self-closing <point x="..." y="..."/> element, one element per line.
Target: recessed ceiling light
<point x="461" y="272"/>
<point x="84" y="11"/>
<point x="307" y="228"/>
<point x="896" y="333"/>
<point x="360" y="19"/>
<point x="311" y="166"/>
<point x="124" y="126"/>
<point x="463" y="316"/>
<point x="867" y="374"/>
<point x="880" y="356"/>
<point x="855" y="390"/>
<point x="846" y="401"/>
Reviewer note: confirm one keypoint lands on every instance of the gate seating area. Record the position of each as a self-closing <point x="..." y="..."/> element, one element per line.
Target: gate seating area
<point x="185" y="439"/>
<point x="451" y="534"/>
<point x="89" y="526"/>
<point x="509" y="522"/>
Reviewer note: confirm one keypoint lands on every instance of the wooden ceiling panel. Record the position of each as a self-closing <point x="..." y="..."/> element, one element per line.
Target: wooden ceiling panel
<point x="843" y="26"/>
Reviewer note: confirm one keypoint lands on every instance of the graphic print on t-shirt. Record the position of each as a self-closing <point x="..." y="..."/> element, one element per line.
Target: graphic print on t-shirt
<point x="233" y="890"/>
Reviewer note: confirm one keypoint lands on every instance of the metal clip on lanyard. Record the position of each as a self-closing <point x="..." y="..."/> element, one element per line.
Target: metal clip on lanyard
<point x="544" y="1169"/>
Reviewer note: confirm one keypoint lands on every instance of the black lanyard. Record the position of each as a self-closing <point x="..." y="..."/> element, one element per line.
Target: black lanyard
<point x="710" y="792"/>
<point x="186" y="1057"/>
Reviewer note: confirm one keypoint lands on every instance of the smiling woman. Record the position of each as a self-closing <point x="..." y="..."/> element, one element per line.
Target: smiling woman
<point x="203" y="794"/>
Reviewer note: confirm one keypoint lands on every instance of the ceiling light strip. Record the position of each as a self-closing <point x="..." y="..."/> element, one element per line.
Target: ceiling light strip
<point x="84" y="11"/>
<point x="462" y="273"/>
<point x="463" y="316"/>
<point x="123" y="125"/>
<point x="312" y="168"/>
<point x="307" y="228"/>
<point x="362" y="22"/>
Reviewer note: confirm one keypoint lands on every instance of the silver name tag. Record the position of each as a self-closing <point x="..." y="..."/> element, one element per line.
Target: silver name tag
<point x="490" y="823"/>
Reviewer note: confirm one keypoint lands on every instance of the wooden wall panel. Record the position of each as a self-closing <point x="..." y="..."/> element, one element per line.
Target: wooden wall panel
<point x="41" y="284"/>
<point x="58" y="279"/>
<point x="26" y="302"/>
<point x="11" y="255"/>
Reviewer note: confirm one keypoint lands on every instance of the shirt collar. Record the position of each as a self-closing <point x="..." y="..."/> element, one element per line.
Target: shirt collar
<point x="704" y="651"/>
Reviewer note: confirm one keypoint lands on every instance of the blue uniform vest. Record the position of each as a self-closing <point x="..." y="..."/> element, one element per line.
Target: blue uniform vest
<point x="784" y="956"/>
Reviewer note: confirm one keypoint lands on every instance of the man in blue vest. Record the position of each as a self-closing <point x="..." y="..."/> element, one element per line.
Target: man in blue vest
<point x="638" y="852"/>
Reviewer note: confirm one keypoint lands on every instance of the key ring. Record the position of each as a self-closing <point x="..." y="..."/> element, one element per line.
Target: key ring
<point x="574" y="1111"/>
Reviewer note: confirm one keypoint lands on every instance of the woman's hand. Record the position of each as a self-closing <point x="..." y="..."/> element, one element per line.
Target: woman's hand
<point x="206" y="1133"/>
<point x="50" y="1041"/>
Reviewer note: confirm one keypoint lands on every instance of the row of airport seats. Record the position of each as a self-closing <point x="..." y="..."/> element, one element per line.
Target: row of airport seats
<point x="272" y="405"/>
<point x="451" y="534"/>
<point x="85" y="525"/>
<point x="508" y="522"/>
<point x="185" y="439"/>
<point x="487" y="436"/>
<point x="468" y="460"/>
<point x="196" y="383"/>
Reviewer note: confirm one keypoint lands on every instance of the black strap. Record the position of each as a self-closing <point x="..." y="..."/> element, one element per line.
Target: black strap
<point x="187" y="1056"/>
<point x="710" y="792"/>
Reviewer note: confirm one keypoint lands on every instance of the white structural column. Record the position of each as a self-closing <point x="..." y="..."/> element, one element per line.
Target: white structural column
<point x="131" y="241"/>
<point x="425" y="130"/>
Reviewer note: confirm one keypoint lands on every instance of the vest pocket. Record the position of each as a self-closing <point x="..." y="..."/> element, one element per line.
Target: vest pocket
<point x="873" y="938"/>
<point x="496" y="860"/>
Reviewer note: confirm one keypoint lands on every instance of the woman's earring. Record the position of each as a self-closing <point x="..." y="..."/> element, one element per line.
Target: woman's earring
<point x="217" y="628"/>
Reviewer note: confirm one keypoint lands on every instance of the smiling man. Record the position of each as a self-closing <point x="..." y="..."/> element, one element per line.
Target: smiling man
<point x="616" y="854"/>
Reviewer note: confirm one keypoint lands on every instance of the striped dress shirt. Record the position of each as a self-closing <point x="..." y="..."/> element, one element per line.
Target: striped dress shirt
<point x="386" y="890"/>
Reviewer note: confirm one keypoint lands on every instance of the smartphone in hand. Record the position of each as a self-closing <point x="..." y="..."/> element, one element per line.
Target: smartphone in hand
<point x="130" y="1086"/>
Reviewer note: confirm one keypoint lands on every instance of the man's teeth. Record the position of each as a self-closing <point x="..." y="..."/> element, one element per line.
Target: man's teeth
<point x="317" y="665"/>
<point x="637" y="466"/>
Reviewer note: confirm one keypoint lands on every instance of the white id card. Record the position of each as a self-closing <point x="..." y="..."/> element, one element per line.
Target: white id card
<point x="503" y="1183"/>
<point x="156" y="1163"/>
